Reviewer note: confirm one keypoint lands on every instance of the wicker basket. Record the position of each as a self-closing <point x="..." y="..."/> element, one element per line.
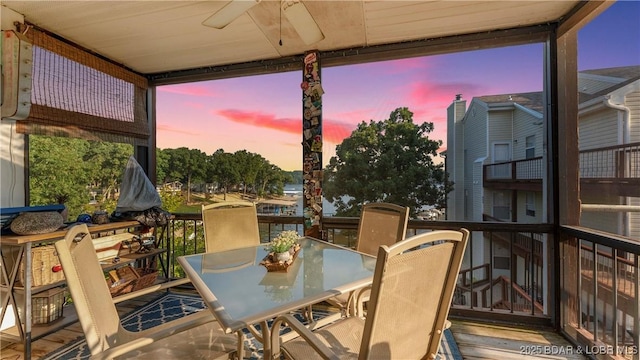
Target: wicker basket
<point x="127" y="279"/>
<point x="48" y="306"/>
<point x="45" y="266"/>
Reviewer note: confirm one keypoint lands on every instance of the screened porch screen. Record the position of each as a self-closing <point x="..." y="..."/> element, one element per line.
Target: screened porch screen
<point x="78" y="94"/>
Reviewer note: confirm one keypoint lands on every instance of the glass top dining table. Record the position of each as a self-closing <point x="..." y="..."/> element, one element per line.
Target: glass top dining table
<point x="240" y="292"/>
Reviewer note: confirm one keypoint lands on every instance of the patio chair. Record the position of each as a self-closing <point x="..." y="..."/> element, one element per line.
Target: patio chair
<point x="237" y="220"/>
<point x="223" y="221"/>
<point x="105" y="336"/>
<point x="406" y="316"/>
<point x="380" y="224"/>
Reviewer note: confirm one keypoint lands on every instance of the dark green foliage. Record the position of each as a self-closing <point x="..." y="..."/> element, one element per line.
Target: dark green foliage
<point x="223" y="170"/>
<point x="64" y="170"/>
<point x="390" y="161"/>
<point x="187" y="166"/>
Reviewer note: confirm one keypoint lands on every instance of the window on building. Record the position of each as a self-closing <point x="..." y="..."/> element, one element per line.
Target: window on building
<point x="530" y="204"/>
<point x="530" y="147"/>
<point x="501" y="205"/>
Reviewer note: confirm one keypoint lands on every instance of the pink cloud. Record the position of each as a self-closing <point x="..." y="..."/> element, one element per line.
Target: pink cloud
<point x="188" y="89"/>
<point x="429" y="101"/>
<point x="259" y="119"/>
<point x="409" y="65"/>
<point x="356" y="116"/>
<point x="436" y="95"/>
<point x="173" y="129"/>
<point x="333" y="131"/>
<point x="394" y="67"/>
<point x="423" y="114"/>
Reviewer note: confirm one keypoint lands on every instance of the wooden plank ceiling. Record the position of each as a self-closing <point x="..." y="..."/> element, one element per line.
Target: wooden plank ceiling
<point x="162" y="36"/>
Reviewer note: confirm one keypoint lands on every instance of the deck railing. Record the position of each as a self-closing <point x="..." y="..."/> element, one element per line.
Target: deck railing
<point x="492" y="253"/>
<point x="618" y="162"/>
<point x="599" y="286"/>
<point x="509" y="272"/>
<point x="621" y="162"/>
<point x="525" y="169"/>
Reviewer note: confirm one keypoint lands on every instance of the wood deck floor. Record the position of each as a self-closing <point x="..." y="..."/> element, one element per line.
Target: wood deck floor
<point x="475" y="340"/>
<point x="491" y="341"/>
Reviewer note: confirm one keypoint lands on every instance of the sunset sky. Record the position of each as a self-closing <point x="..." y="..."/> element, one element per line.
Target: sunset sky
<point x="262" y="114"/>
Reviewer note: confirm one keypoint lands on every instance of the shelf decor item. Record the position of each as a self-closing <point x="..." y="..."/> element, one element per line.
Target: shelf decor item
<point x="45" y="267"/>
<point x="100" y="217"/>
<point x="47" y="306"/>
<point x="108" y="247"/>
<point x="127" y="279"/>
<point x="283" y="251"/>
<point x="40" y="222"/>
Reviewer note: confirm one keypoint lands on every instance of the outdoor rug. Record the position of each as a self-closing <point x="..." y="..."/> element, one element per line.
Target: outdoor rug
<point x="170" y="306"/>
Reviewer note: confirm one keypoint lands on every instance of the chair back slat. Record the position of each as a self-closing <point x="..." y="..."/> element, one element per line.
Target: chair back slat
<point x="230" y="225"/>
<point x="381" y="224"/>
<point x="411" y="295"/>
<point x="89" y="290"/>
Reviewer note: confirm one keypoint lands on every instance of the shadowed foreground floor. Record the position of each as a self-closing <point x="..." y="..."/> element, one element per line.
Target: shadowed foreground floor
<point x="474" y="340"/>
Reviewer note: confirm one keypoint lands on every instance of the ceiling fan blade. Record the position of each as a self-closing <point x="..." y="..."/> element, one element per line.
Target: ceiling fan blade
<point x="302" y="21"/>
<point x="231" y="11"/>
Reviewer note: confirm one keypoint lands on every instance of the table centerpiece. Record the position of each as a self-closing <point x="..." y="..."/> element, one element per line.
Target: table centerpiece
<point x="282" y="251"/>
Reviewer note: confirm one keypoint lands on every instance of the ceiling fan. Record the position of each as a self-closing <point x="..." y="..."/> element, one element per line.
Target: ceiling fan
<point x="294" y="10"/>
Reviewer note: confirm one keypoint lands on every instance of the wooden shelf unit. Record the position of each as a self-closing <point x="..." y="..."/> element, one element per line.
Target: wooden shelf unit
<point x="11" y="289"/>
<point x="127" y="259"/>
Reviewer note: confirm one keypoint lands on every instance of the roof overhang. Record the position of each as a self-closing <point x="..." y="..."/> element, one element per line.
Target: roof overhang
<point x="167" y="42"/>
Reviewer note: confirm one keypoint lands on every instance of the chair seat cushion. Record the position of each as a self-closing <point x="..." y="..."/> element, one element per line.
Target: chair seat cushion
<point x="343" y="337"/>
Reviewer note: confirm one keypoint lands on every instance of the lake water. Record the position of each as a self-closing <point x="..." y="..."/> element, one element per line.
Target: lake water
<point x="328" y="209"/>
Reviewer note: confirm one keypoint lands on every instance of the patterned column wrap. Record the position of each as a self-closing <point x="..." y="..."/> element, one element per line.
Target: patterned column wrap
<point x="312" y="145"/>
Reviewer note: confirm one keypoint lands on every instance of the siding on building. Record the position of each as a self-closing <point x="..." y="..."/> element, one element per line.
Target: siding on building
<point x="475" y="149"/>
<point x="455" y="158"/>
<point x="632" y="101"/>
<point x="522" y="208"/>
<point x="598" y="128"/>
<point x="510" y="119"/>
<point x="500" y="131"/>
<point x="605" y="126"/>
<point x="524" y="125"/>
<point x="477" y="190"/>
<point x="487" y="207"/>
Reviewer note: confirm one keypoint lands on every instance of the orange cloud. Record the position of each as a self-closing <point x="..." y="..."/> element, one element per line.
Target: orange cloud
<point x="187" y="89"/>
